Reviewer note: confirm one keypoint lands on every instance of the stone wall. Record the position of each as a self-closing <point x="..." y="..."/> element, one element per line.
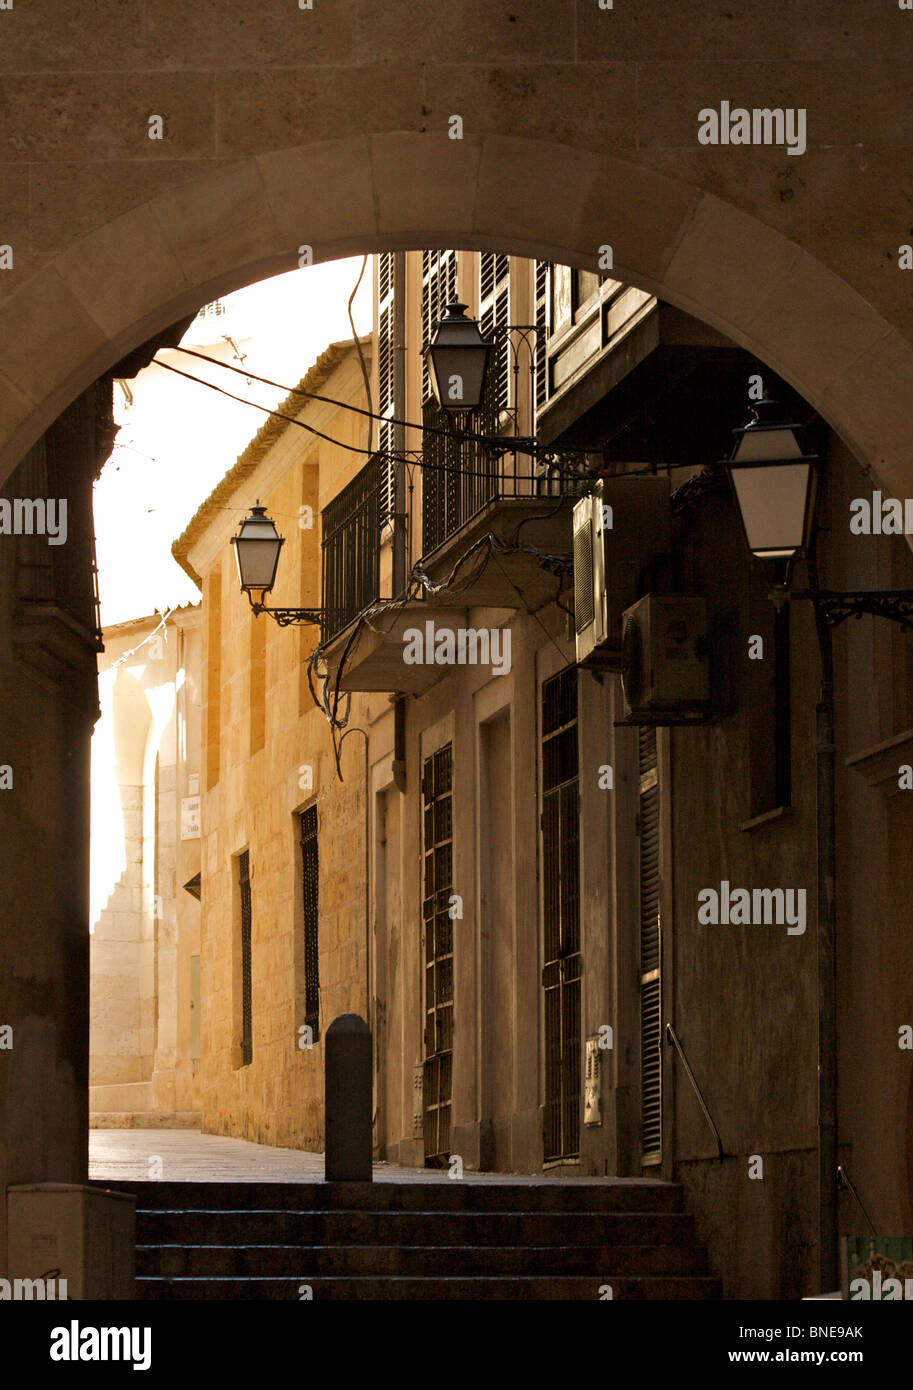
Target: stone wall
<point x="275" y="758"/>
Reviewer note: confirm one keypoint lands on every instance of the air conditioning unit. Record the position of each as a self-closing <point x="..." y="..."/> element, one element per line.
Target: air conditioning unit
<point x="665" y="673"/>
<point x="618" y="529"/>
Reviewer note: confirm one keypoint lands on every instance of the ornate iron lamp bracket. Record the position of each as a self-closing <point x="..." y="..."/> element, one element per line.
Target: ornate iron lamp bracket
<point x="836" y="606"/>
<point x="286" y="617"/>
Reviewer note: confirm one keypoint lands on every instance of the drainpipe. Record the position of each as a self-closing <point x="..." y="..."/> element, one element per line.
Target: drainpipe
<point x="828" y="1239"/>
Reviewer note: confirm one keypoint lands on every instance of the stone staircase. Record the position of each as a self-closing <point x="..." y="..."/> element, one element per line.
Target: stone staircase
<point x="416" y="1240"/>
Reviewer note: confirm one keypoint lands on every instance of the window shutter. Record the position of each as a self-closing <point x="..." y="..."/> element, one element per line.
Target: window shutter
<point x="494" y="313"/>
<point x="650" y="949"/>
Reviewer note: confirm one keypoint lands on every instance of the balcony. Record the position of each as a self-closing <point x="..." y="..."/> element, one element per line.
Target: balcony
<point x="368" y="655"/>
<point x="479" y="505"/>
<point x="496" y="533"/>
<point x="351" y="527"/>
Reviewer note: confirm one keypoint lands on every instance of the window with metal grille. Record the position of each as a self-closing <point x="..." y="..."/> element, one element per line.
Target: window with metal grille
<point x="247" y="1031"/>
<point x="651" y="1096"/>
<point x="494" y="313"/>
<point x="310" y="875"/>
<point x="439" y="288"/>
<point x="562" y="961"/>
<point x="437" y="853"/>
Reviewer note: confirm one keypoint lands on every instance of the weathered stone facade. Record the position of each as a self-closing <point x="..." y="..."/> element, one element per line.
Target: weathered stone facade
<point x="268" y="756"/>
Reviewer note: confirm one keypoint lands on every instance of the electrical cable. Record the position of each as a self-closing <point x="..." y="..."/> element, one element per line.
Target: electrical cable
<point x="419" y="581"/>
<point x="166" y="614"/>
<point x="353" y="448"/>
<point x="423" y="464"/>
<point x="361" y="356"/>
<point x="460" y="435"/>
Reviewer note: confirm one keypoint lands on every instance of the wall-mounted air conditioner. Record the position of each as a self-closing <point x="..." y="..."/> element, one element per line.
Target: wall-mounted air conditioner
<point x="665" y="673"/>
<point x="622" y="526"/>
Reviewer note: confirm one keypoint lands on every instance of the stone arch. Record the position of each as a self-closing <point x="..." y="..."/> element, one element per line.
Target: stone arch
<point x="136" y="274"/>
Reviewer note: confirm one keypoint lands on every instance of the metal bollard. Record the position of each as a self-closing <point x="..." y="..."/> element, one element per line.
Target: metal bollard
<point x="348" y="1093"/>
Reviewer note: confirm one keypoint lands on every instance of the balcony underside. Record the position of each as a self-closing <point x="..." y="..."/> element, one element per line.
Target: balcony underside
<point x="649" y="391"/>
<point x="375" y="660"/>
<point x="490" y="578"/>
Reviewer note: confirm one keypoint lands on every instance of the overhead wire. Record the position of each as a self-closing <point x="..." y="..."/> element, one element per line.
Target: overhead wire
<point x="471" y="435"/>
<point x="161" y="627"/>
<point x="361" y="356"/>
<point x="422" y="463"/>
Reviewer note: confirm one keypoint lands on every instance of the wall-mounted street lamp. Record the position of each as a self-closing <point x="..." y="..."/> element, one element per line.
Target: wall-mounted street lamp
<point x="457" y="359"/>
<point x="774" y="480"/>
<point x="257" y="546"/>
<point x="775" y="484"/>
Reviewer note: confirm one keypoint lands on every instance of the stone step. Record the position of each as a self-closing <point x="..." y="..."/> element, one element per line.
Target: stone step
<point x="144" y="1119"/>
<point x="427" y="1240"/>
<point x="439" y="1228"/>
<point x="441" y="1288"/>
<point x="633" y="1195"/>
<point x="257" y="1261"/>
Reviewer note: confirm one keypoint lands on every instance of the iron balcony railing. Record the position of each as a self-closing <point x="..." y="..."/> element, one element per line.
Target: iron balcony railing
<point x="461" y="476"/>
<point x="351" y="527"/>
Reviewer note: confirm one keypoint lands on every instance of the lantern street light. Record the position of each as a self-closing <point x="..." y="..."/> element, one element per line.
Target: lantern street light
<point x="457" y="359"/>
<point x="257" y="546"/>
<point x="774" y="481"/>
<point x="775" y="486"/>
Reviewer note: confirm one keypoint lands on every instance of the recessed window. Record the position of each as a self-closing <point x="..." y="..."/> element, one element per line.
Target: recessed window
<point x="310" y="882"/>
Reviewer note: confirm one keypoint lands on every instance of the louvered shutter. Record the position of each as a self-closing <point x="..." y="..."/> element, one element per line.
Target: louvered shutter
<point x="650" y="950"/>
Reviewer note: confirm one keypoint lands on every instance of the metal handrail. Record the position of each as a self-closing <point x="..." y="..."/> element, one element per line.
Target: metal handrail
<point x="844" y="1180"/>
<point x="672" y="1037"/>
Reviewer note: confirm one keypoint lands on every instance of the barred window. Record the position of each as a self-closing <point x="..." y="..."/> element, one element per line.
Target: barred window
<point x="310" y="873"/>
<point x="247" y="1032"/>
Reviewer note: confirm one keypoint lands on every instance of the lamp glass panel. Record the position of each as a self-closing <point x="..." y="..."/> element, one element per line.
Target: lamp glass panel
<point x="257" y="561"/>
<point x="773" y="502"/>
<point x="766" y="444"/>
<point x="458" y="374"/>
